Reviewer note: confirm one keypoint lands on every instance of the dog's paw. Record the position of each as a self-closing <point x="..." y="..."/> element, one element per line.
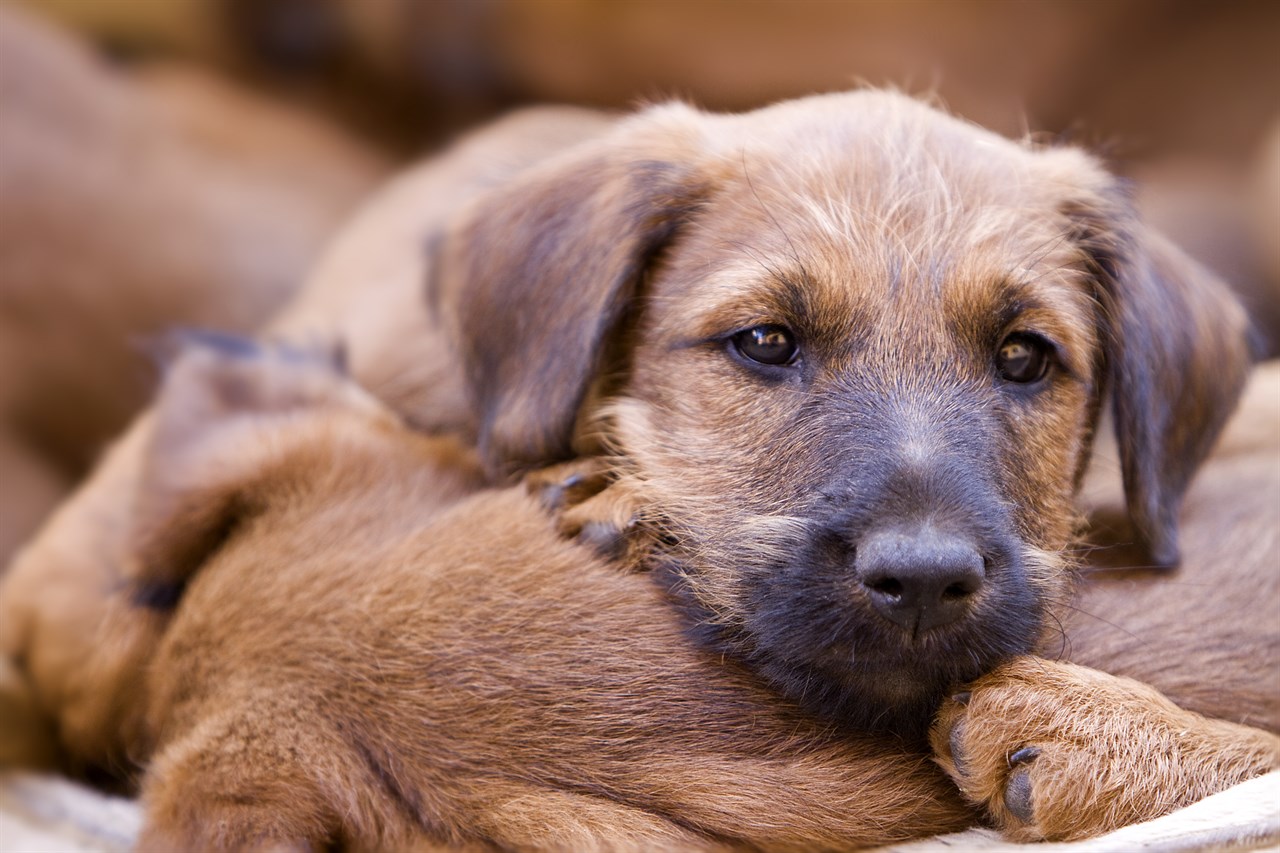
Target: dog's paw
<point x="594" y="507"/>
<point x="1061" y="752"/>
<point x="565" y="486"/>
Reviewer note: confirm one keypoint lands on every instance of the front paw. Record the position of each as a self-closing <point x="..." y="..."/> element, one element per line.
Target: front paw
<point x="594" y="506"/>
<point x="1062" y="752"/>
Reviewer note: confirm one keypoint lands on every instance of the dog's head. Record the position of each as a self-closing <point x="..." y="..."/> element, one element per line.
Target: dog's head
<point x="852" y="351"/>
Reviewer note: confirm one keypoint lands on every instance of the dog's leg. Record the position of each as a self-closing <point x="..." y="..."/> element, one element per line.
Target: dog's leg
<point x="1059" y="751"/>
<point x="268" y="773"/>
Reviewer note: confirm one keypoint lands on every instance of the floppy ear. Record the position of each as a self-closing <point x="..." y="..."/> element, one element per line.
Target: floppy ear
<point x="229" y="414"/>
<point x="537" y="274"/>
<point x="1177" y="351"/>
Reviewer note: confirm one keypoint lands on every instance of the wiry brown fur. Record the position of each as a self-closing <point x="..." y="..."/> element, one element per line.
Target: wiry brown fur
<point x="580" y="304"/>
<point x="900" y="252"/>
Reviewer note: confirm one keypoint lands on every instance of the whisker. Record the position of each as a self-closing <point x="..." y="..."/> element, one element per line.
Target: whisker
<point x="1095" y="616"/>
<point x="1064" y="647"/>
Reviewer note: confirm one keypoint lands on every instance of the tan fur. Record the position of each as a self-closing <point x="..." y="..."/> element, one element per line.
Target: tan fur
<point x="578" y="304"/>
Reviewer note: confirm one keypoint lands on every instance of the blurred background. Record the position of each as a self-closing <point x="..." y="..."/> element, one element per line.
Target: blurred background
<point x="182" y="162"/>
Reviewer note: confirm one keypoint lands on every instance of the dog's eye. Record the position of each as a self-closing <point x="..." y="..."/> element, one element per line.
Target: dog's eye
<point x="1023" y="358"/>
<point x="773" y="345"/>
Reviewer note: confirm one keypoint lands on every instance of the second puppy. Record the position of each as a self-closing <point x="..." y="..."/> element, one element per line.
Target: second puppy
<point x="363" y="655"/>
<point x="369" y="652"/>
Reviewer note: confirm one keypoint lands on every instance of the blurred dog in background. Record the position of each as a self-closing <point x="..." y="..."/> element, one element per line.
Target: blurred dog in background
<point x="133" y="203"/>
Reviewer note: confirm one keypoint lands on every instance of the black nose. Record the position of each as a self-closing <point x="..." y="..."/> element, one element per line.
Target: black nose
<point x="919" y="578"/>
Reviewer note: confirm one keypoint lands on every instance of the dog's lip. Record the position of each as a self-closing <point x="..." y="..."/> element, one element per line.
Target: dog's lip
<point x="907" y="663"/>
<point x="935" y="656"/>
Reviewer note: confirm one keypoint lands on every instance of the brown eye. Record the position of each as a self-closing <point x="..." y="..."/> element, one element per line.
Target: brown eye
<point x="773" y="345"/>
<point x="1023" y="358"/>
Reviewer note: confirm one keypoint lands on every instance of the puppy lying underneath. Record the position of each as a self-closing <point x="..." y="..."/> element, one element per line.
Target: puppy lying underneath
<point x="364" y="655"/>
<point x="840" y="361"/>
<point x="369" y="652"/>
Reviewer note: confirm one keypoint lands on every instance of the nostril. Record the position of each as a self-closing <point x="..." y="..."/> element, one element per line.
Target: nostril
<point x="886" y="586"/>
<point x="960" y="589"/>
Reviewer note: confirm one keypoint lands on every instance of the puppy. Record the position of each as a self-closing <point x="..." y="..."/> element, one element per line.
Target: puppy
<point x="68" y="618"/>
<point x="846" y="357"/>
<point x="846" y="363"/>
<point x="841" y="360"/>
<point x="365" y="655"/>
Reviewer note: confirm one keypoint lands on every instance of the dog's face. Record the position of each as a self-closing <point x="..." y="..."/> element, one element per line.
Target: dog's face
<point x="851" y="353"/>
<point x="862" y="430"/>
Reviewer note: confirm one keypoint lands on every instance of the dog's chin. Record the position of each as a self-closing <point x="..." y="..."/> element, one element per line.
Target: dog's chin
<point x="850" y="666"/>
<point x="885" y="695"/>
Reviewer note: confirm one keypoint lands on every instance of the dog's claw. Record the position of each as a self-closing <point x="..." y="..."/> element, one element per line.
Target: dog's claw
<point x="589" y="505"/>
<point x="605" y="538"/>
<point x="562" y="486"/>
<point x="956" y="745"/>
<point x="1017" y="793"/>
<point x="1023" y="756"/>
<point x="552" y="495"/>
<point x="962" y="698"/>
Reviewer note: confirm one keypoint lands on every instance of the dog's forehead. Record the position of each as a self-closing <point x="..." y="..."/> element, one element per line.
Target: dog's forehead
<point x="893" y="181"/>
<point x="879" y="213"/>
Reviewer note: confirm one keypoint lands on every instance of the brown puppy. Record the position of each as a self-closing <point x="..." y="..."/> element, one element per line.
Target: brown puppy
<point x="361" y="657"/>
<point x="66" y="617"/>
<point x="846" y="361"/>
<point x="847" y="354"/>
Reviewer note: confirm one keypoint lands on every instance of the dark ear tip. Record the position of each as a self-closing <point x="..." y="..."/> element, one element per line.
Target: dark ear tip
<point x="1164" y="552"/>
<point x="164" y="349"/>
<point x="223" y="343"/>
<point x="1258" y="343"/>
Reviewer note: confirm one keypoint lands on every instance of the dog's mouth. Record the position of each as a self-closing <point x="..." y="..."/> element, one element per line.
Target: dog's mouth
<point x="885" y="685"/>
<point x="816" y="635"/>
